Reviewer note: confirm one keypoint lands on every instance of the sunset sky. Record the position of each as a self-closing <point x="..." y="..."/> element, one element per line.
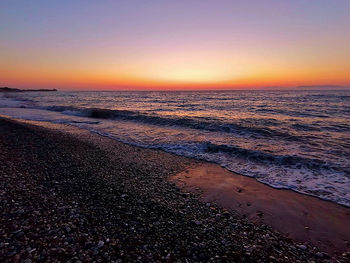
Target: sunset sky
<point x="174" y="44"/>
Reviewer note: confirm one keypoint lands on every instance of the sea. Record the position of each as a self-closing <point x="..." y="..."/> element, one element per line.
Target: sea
<point x="297" y="140"/>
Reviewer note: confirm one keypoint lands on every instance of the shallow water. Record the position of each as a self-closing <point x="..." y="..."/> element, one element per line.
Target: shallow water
<point x="298" y="140"/>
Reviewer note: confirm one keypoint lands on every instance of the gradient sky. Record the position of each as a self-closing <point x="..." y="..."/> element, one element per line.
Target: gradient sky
<point x="174" y="44"/>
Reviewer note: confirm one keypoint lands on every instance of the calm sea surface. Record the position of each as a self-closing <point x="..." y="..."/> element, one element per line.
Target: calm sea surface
<point x="298" y="140"/>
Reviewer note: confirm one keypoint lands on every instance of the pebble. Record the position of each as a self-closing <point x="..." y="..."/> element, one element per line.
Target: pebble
<point x="303" y="247"/>
<point x="100" y="244"/>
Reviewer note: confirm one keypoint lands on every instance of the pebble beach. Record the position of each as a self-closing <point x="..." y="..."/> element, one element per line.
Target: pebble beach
<point x="68" y="195"/>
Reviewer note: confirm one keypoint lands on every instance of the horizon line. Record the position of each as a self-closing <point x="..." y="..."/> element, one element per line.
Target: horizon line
<point x="295" y="88"/>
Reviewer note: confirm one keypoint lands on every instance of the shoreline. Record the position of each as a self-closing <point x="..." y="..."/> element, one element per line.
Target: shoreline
<point x="304" y="218"/>
<point x="144" y="175"/>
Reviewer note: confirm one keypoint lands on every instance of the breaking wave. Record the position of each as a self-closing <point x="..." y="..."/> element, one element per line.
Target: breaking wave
<point x="193" y="123"/>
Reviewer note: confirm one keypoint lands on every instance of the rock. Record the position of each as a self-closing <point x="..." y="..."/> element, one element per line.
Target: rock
<point x="88" y="245"/>
<point x="303" y="247"/>
<point x="100" y="244"/>
<point x="196" y="222"/>
<point x="19" y="234"/>
<point x="226" y="213"/>
<point x="319" y="255"/>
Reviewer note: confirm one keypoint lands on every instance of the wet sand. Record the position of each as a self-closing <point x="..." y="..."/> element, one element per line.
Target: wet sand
<point x="301" y="217"/>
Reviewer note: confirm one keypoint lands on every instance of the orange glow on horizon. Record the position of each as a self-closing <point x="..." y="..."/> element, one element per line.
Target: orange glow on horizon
<point x="186" y="69"/>
<point x="175" y="80"/>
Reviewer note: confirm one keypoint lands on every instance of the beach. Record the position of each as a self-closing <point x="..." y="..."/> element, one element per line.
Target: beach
<point x="303" y="218"/>
<point x="70" y="195"/>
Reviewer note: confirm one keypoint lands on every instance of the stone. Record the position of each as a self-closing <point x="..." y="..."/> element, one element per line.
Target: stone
<point x="303" y="247"/>
<point x="100" y="244"/>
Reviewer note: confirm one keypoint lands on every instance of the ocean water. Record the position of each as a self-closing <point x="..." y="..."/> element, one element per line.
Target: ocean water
<point x="298" y="140"/>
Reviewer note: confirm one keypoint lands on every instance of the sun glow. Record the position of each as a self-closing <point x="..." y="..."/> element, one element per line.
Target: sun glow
<point x="187" y="73"/>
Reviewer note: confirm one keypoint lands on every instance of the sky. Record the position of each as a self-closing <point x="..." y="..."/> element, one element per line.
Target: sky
<point x="218" y="44"/>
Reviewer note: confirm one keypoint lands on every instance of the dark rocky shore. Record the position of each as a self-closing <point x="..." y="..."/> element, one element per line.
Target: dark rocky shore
<point x="66" y="199"/>
<point x="7" y="89"/>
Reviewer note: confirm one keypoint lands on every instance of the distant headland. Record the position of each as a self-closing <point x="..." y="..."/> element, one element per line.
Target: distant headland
<point x="7" y="89"/>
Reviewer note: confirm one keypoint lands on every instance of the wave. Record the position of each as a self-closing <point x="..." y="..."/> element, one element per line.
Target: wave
<point x="268" y="158"/>
<point x="292" y="113"/>
<point x="194" y="123"/>
<point x="210" y="125"/>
